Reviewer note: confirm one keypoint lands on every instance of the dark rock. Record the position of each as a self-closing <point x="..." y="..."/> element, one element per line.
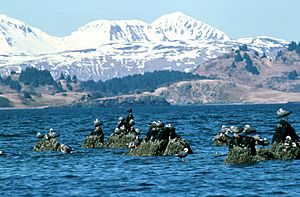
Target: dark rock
<point x="125" y="135"/>
<point x="176" y="145"/>
<point x="153" y="148"/>
<point x="239" y="155"/>
<point x="221" y="139"/>
<point x="281" y="151"/>
<point x="93" y="141"/>
<point x="242" y="150"/>
<point x="285" y="146"/>
<point x="48" y="142"/>
<point x="120" y="140"/>
<point x="265" y="154"/>
<point x="96" y="137"/>
<point x="284" y="151"/>
<point x="47" y="145"/>
<point x="160" y="140"/>
<point x="283" y="130"/>
<point x="243" y="142"/>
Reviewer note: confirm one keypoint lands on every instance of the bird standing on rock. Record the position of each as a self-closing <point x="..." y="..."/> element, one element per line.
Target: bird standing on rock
<point x="40" y="135"/>
<point x="248" y="129"/>
<point x="235" y="129"/>
<point x="283" y="113"/>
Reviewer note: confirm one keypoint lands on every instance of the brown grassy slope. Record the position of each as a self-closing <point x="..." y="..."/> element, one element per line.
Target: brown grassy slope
<point x="273" y="73"/>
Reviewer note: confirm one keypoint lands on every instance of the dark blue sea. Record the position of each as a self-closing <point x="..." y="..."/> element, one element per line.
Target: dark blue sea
<point x="107" y="172"/>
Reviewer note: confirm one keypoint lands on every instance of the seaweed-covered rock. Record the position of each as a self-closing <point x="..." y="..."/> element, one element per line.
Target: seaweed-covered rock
<point x="47" y="145"/>
<point x="96" y="137"/>
<point x="282" y="151"/>
<point x="239" y="155"/>
<point x="176" y="145"/>
<point x="148" y="148"/>
<point x="242" y="150"/>
<point x="160" y="140"/>
<point x="93" y="141"/>
<point x="120" y="140"/>
<point x="48" y="142"/>
<point x="286" y="151"/>
<point x="283" y="130"/>
<point x="264" y="154"/>
<point x="243" y="142"/>
<point x="221" y="139"/>
<point x="125" y="134"/>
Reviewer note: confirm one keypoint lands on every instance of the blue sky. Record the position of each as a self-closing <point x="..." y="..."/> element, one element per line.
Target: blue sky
<point x="237" y="18"/>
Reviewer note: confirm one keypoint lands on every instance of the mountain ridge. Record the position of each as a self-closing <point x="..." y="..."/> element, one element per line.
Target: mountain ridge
<point x="122" y="47"/>
<point x="99" y="32"/>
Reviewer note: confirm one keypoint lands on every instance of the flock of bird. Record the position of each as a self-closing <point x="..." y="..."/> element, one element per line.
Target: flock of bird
<point x="53" y="135"/>
<point x="247" y="129"/>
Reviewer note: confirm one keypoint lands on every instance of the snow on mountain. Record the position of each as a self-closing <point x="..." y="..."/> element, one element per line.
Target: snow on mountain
<point x="177" y="26"/>
<point x="18" y="37"/>
<point x="105" y="49"/>
<point x="263" y="42"/>
<point x="101" y="32"/>
<point x="170" y="27"/>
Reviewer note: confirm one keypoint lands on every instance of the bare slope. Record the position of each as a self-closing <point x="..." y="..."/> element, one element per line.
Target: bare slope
<point x="279" y="73"/>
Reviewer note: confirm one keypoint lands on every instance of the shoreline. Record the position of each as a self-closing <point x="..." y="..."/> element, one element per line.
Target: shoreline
<point x="171" y="105"/>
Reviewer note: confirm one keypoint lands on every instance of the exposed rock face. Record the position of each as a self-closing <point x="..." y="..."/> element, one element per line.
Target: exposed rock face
<point x="283" y="130"/>
<point x="127" y="100"/>
<point x="219" y="92"/>
<point x="160" y="140"/>
<point x="47" y="145"/>
<point x="204" y="91"/>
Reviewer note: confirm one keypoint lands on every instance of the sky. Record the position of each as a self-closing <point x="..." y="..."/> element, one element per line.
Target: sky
<point x="236" y="18"/>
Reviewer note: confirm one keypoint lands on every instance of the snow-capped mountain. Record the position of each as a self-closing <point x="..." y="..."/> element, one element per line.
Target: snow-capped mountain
<point x="101" y="32"/>
<point x="17" y="37"/>
<point x="105" y="49"/>
<point x="170" y="27"/>
<point x="177" y="26"/>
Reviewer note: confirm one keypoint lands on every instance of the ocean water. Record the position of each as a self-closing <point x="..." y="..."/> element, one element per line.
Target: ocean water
<point x="107" y="172"/>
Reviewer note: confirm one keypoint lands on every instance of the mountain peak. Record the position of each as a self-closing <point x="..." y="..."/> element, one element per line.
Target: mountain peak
<point x="174" y="16"/>
<point x="20" y="38"/>
<point x="178" y="26"/>
<point x="5" y="18"/>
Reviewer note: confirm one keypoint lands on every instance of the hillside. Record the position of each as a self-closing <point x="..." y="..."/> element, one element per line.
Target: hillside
<point x="252" y="69"/>
<point x="37" y="88"/>
<point x="194" y="93"/>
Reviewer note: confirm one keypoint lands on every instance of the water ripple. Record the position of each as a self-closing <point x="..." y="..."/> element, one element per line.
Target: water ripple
<point x="107" y="172"/>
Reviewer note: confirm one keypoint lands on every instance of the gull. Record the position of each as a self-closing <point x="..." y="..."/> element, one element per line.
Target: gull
<point x="283" y="113"/>
<point x="182" y="154"/>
